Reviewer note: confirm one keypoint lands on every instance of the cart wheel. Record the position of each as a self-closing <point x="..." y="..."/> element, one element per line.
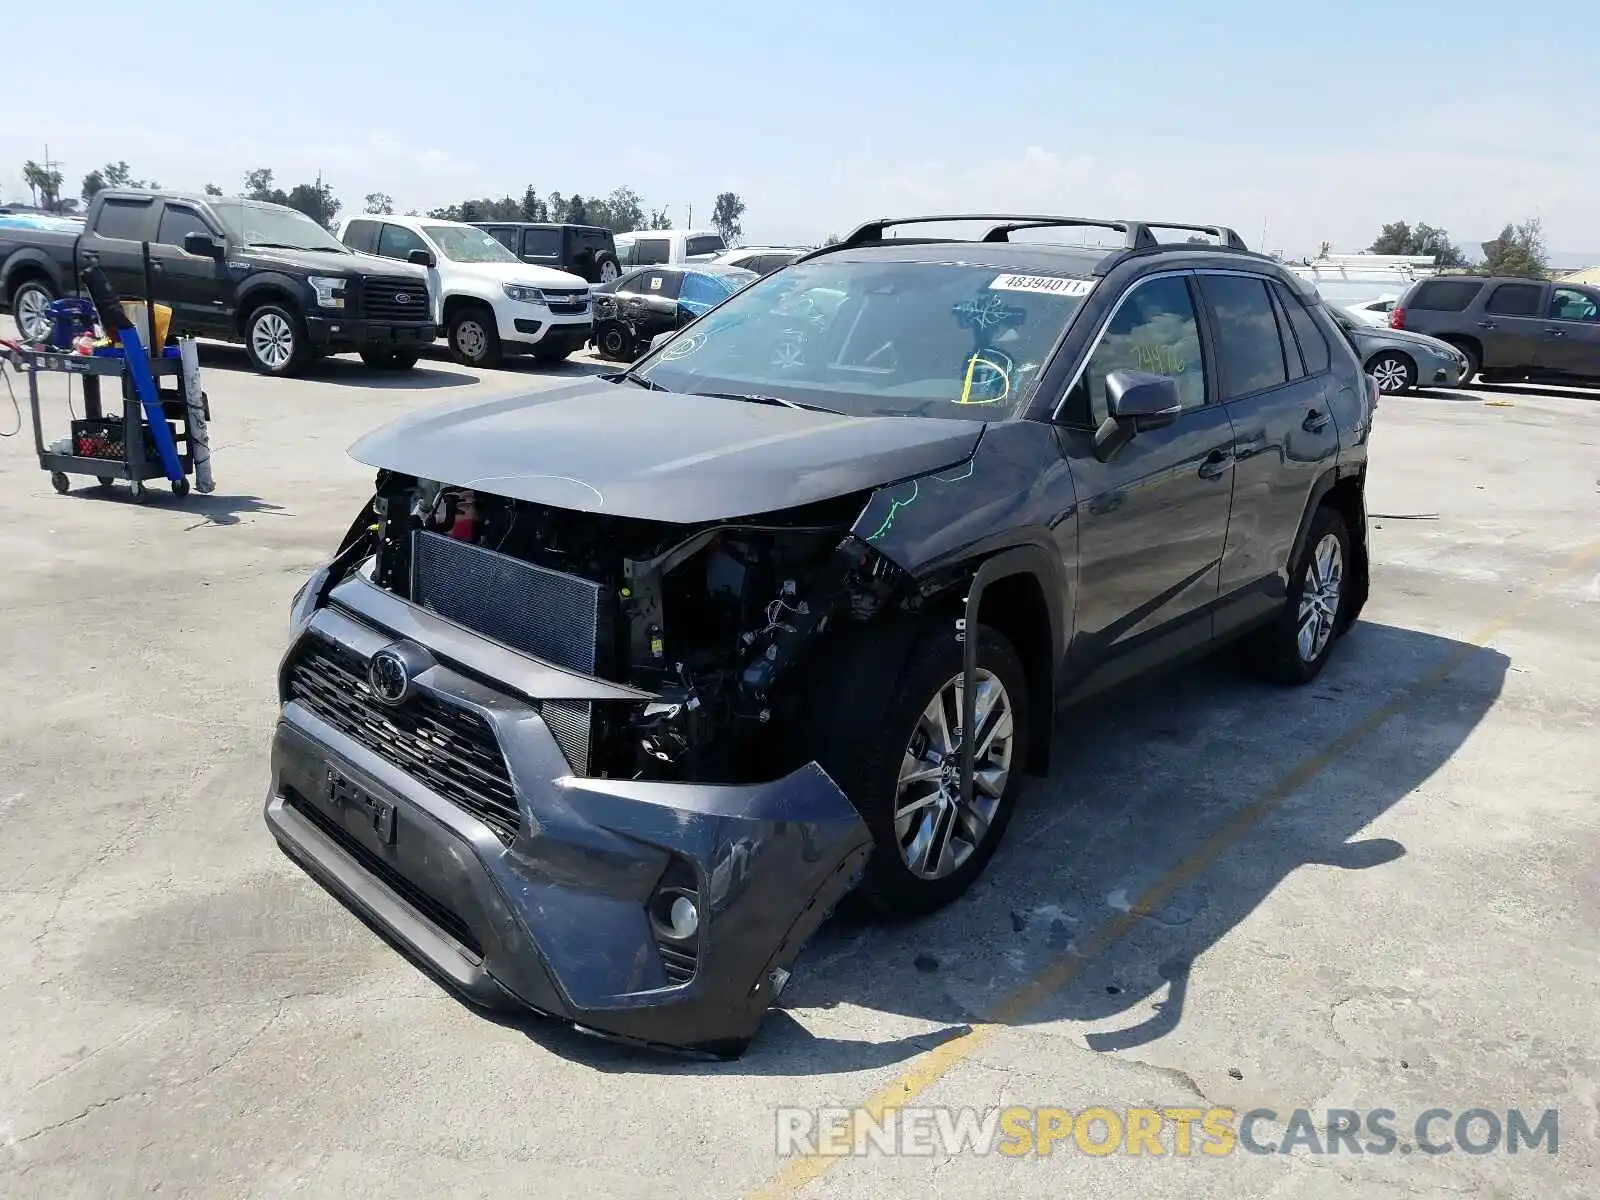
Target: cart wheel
<point x="105" y="481"/>
<point x="180" y="487"/>
<point x="60" y="482"/>
<point x="137" y="492"/>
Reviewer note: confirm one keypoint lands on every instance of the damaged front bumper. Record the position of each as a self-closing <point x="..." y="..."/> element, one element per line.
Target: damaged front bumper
<point x="452" y="822"/>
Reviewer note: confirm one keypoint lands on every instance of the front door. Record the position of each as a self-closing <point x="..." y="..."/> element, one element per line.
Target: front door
<point x="1153" y="520"/>
<point x="196" y="286"/>
<point x="1570" y="338"/>
<point x="1513" y="324"/>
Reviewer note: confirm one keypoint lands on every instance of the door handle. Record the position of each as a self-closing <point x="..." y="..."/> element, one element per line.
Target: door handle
<point x="1316" y="421"/>
<point x="157" y="266"/>
<point x="1216" y="464"/>
<point x="1556" y="332"/>
<point x="1486" y="325"/>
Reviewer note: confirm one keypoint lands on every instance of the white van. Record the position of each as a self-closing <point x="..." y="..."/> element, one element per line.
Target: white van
<point x="486" y="299"/>
<point x="654" y="247"/>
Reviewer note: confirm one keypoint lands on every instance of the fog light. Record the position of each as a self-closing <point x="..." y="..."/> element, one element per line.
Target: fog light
<point x="683" y="919"/>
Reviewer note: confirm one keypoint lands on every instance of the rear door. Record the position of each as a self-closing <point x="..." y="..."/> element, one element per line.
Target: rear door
<point x="196" y="286"/>
<point x="1570" y="342"/>
<point x="121" y="225"/>
<point x="1284" y="432"/>
<point x="1513" y="325"/>
<point x="1152" y="521"/>
<point x="542" y="247"/>
<point x="653" y="307"/>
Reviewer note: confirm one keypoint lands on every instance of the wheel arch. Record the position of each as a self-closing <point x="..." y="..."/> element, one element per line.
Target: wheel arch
<point x="455" y="302"/>
<point x="1342" y="489"/>
<point x="266" y="289"/>
<point x="27" y="265"/>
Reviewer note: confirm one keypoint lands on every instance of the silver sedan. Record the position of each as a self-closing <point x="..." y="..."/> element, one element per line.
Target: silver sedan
<point x="1402" y="361"/>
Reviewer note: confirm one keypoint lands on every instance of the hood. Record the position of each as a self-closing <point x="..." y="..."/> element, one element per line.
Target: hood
<point x="515" y="272"/>
<point x="664" y="456"/>
<point x="332" y="262"/>
<point x="1384" y="334"/>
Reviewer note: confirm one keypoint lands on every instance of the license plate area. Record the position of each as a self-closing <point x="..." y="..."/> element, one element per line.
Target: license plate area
<point x="358" y="808"/>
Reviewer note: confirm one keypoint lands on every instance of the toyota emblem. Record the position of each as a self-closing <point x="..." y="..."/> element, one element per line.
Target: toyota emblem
<point x="402" y="297"/>
<point x="389" y="677"/>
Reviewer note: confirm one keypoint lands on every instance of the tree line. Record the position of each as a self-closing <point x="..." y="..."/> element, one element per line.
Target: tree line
<point x="1519" y="250"/>
<point x="623" y="211"/>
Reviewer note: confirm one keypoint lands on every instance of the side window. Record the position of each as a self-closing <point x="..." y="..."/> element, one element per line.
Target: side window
<point x="503" y="234"/>
<point x="1154" y="329"/>
<point x="176" y="222"/>
<point x="1313" y="346"/>
<point x="706" y="243"/>
<point x="1291" y="348"/>
<point x="700" y="293"/>
<point x="1569" y="304"/>
<point x="396" y="241"/>
<point x="662" y="284"/>
<point x="1249" y="352"/>
<point x="541" y="243"/>
<point x="1515" y="300"/>
<point x="361" y="235"/>
<point x="650" y="250"/>
<point x="127" y="219"/>
<point x="1445" y="295"/>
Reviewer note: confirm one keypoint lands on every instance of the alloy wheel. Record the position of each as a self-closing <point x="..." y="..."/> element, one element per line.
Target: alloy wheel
<point x="32" y="318"/>
<point x="272" y="339"/>
<point x="1391" y="375"/>
<point x="936" y="831"/>
<point x="1319" y="597"/>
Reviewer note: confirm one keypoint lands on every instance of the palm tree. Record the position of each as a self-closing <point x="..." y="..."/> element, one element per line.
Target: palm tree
<point x="44" y="183"/>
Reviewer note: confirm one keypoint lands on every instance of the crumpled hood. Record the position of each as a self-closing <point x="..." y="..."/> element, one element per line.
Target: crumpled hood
<point x="632" y="452"/>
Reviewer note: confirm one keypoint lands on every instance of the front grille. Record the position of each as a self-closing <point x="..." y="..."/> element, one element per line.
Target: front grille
<point x="566" y="300"/>
<point x="380" y="300"/>
<point x="548" y="614"/>
<point x="450" y="750"/>
<point x="441" y="916"/>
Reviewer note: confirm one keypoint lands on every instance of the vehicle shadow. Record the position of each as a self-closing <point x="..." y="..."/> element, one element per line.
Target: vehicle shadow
<point x="1144" y="782"/>
<point x="214" y="508"/>
<point x="345" y="370"/>
<point x="1547" y="391"/>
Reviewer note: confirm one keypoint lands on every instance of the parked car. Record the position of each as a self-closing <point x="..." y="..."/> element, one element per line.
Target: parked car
<point x="488" y="301"/>
<point x="659" y="247"/>
<point x="1510" y="329"/>
<point x="238" y="270"/>
<point x="588" y="251"/>
<point x="1402" y="361"/>
<point x="588" y="655"/>
<point x="1373" y="312"/>
<point x="763" y="260"/>
<point x="632" y="311"/>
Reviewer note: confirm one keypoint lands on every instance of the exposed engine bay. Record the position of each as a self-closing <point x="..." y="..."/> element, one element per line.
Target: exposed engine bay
<point x="722" y="622"/>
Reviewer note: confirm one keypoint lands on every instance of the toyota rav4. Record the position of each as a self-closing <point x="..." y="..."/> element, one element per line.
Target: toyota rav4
<point x="613" y="691"/>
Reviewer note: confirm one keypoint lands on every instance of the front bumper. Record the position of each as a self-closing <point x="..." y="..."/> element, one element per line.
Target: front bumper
<point x="557" y="915"/>
<point x="534" y="325"/>
<point x="334" y="334"/>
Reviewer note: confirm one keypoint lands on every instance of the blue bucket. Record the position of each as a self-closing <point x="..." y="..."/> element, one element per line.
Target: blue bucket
<point x="69" y="318"/>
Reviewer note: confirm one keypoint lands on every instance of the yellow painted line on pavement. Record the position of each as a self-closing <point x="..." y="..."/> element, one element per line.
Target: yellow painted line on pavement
<point x="929" y="1068"/>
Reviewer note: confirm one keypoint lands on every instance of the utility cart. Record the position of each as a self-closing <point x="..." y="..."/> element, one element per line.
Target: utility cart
<point x="119" y="447"/>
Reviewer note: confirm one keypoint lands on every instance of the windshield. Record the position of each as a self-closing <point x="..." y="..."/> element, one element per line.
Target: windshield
<point x="878" y="338"/>
<point x="463" y="244"/>
<point x="254" y="224"/>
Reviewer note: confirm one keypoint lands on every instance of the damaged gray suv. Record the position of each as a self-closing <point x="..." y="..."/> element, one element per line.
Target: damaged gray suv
<point x="614" y="690"/>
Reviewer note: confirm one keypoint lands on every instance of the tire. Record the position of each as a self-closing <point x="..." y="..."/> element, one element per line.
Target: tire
<point x="1277" y="651"/>
<point x="613" y="343"/>
<point x="1473" y="364"/>
<point x="60" y="482"/>
<point x="180" y="487"/>
<point x="1395" y="372"/>
<point x="275" y="341"/>
<point x="390" y="360"/>
<point x="866" y="758"/>
<point x="27" y="309"/>
<point x="605" y="267"/>
<point x="474" y="339"/>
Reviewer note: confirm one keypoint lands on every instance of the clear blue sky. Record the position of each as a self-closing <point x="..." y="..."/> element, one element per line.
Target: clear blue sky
<point x="1311" y="122"/>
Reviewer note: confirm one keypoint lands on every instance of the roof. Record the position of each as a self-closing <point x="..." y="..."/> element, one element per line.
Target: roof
<point x="1037" y="256"/>
<point x="541" y="225"/>
<point x="667" y="233"/>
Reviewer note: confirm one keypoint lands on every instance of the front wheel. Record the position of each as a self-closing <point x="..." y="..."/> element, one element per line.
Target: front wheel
<point x="474" y="340"/>
<point x="614" y="343"/>
<point x="904" y="773"/>
<point x="1394" y="372"/>
<point x="275" y="341"/>
<point x="1297" y="645"/>
<point x="1473" y="364"/>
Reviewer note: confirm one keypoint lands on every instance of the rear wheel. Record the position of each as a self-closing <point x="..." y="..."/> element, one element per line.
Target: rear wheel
<point x="903" y="770"/>
<point x="28" y="305"/>
<point x="1297" y="645"/>
<point x="1394" y="372"/>
<point x="1473" y="363"/>
<point x="474" y="340"/>
<point x="614" y="343"/>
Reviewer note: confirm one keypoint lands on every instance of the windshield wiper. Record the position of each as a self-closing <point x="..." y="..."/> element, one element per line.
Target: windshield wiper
<point x="634" y="377"/>
<point x="757" y="398"/>
<point x="285" y="246"/>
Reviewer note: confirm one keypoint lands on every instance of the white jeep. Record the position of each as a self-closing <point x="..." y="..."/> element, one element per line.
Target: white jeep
<point x="488" y="301"/>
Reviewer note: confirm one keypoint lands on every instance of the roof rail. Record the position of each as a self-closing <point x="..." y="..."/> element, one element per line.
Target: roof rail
<point x="1137" y="235"/>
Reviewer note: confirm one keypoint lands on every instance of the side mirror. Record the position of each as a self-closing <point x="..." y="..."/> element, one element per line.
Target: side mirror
<point x="1139" y="401"/>
<point x="422" y="258"/>
<point x="204" y="245"/>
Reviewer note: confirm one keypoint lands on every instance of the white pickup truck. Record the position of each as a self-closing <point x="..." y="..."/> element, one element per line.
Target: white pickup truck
<point x="488" y="301"/>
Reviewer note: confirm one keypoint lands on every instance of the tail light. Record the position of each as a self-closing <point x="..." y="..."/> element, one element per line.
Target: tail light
<point x="1397" y="317"/>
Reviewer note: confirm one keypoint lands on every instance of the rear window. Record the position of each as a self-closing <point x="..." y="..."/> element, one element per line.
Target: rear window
<point x="709" y="243"/>
<point x="1313" y="346"/>
<point x="1516" y="300"/>
<point x="123" y="219"/>
<point x="361" y="235"/>
<point x="1445" y="295"/>
<point x="542" y="243"/>
<point x="879" y="338"/>
<point x="650" y="250"/>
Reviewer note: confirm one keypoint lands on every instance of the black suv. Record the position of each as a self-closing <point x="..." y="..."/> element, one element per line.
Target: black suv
<point x="1509" y="329"/>
<point x="588" y="251"/>
<point x="613" y="691"/>
<point x="239" y="270"/>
